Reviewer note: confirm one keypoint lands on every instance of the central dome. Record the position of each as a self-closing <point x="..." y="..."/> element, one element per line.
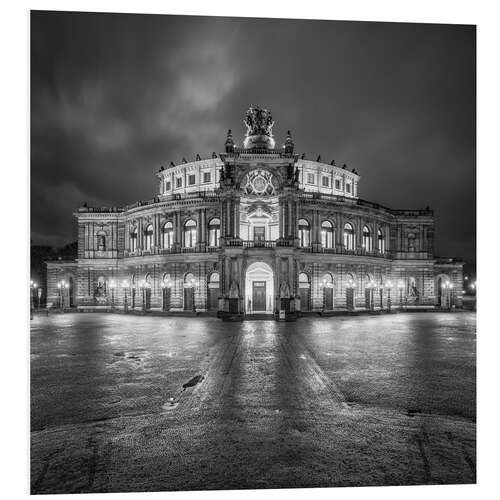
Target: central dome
<point x="259" y="123"/>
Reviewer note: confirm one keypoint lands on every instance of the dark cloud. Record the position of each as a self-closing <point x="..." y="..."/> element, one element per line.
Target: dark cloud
<point x="116" y="96"/>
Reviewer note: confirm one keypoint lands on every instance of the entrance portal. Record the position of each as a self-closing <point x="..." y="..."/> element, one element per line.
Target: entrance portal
<point x="259" y="296"/>
<point x="259" y="289"/>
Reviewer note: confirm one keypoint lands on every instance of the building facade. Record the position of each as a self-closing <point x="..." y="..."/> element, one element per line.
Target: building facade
<point x="256" y="229"/>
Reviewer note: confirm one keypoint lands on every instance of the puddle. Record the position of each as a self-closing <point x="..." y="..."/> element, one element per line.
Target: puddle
<point x="169" y="406"/>
<point x="194" y="381"/>
<point x="414" y="412"/>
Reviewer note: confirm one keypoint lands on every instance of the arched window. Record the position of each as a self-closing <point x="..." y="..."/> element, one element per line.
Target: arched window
<point x="214" y="280"/>
<point x="381" y="241"/>
<point x="327" y="280"/>
<point x="190" y="233"/>
<point x="303" y="280"/>
<point x="189" y="280"/>
<point x="133" y="240"/>
<point x="327" y="234"/>
<point x="348" y="236"/>
<point x="367" y="239"/>
<point x="148" y="237"/>
<point x="101" y="241"/>
<point x="213" y="232"/>
<point x="304" y="233"/>
<point x="411" y="242"/>
<point x="167" y="235"/>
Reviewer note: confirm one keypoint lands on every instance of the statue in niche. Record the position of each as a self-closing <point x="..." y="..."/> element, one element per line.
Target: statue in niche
<point x="296" y="178"/>
<point x="284" y="290"/>
<point x="100" y="290"/>
<point x="234" y="290"/>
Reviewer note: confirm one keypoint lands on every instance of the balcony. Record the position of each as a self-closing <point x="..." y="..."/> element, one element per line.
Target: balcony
<point x="343" y="251"/>
<point x="259" y="244"/>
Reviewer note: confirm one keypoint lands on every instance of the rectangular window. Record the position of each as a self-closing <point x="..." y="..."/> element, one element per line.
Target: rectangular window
<point x="348" y="188"/>
<point x="206" y="176"/>
<point x="325" y="181"/>
<point x="310" y="178"/>
<point x="167" y="186"/>
<point x="178" y="182"/>
<point x="191" y="179"/>
<point x="337" y="184"/>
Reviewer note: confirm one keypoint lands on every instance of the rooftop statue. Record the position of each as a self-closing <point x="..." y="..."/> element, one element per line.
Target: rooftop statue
<point x="259" y="123"/>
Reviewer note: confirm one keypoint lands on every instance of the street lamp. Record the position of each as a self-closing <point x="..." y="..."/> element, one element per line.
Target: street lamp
<point x="33" y="290"/>
<point x="448" y="288"/>
<point x="388" y="285"/>
<point x="125" y="285"/>
<point x="112" y="286"/>
<point x="62" y="286"/>
<point x="401" y="286"/>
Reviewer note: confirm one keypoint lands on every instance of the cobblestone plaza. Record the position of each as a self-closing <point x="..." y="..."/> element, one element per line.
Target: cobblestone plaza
<point x="130" y="403"/>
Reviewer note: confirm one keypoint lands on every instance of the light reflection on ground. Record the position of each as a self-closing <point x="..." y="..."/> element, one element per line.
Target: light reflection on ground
<point x="320" y="402"/>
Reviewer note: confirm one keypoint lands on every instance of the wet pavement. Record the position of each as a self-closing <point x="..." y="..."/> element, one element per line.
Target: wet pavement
<point x="131" y="403"/>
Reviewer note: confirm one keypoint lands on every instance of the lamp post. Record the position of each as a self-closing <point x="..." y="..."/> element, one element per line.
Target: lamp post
<point x="33" y="290"/>
<point x="125" y="285"/>
<point x="388" y="285"/>
<point x="401" y="286"/>
<point x="62" y="286"/>
<point x="112" y="286"/>
<point x="448" y="289"/>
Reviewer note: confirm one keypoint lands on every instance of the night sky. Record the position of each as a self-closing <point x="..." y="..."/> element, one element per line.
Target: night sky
<point x="115" y="96"/>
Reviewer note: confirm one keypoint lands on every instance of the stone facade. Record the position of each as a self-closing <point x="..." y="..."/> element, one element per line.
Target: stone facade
<point x="255" y="230"/>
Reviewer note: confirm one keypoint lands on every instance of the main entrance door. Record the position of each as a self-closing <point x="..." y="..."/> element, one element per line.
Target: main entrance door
<point x="259" y="296"/>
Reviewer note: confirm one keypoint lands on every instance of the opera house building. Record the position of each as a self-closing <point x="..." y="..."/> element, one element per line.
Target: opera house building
<point x="255" y="230"/>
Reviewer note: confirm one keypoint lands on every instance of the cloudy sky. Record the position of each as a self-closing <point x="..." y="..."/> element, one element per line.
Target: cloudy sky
<point x="114" y="97"/>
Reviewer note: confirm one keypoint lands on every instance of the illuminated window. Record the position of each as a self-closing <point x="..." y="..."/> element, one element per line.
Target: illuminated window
<point x="348" y="188"/>
<point x="190" y="233"/>
<point x="167" y="233"/>
<point x="101" y="241"/>
<point x="191" y="179"/>
<point x="367" y="239"/>
<point x="310" y="178"/>
<point x="304" y="233"/>
<point x="133" y="240"/>
<point x="206" y="176"/>
<point x="381" y="241"/>
<point x="411" y="242"/>
<point x="168" y="186"/>
<point x="337" y="184"/>
<point x="214" y="232"/>
<point x="178" y="182"/>
<point x="327" y="234"/>
<point x="325" y="181"/>
<point x="148" y="237"/>
<point x="348" y="236"/>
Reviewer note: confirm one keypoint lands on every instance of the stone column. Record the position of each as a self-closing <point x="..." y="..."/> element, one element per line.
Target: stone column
<point x="178" y="230"/>
<point x="236" y="215"/>
<point x="204" y="225"/>
<point x="339" y="231"/>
